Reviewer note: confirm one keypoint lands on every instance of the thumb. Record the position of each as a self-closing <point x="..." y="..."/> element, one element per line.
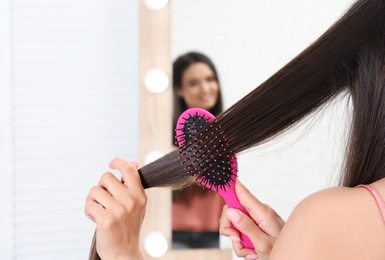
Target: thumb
<point x="247" y="226"/>
<point x="263" y="215"/>
<point x="243" y="223"/>
<point x="128" y="171"/>
<point x="256" y="209"/>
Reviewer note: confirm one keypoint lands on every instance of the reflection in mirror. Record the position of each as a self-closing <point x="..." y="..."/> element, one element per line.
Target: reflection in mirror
<point x="195" y="209"/>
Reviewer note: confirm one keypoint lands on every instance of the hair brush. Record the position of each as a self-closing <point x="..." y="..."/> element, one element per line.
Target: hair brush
<point x="207" y="158"/>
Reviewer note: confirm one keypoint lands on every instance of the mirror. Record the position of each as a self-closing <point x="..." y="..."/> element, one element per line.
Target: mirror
<point x="248" y="41"/>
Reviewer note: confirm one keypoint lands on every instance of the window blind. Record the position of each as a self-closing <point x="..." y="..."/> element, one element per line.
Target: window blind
<point x="75" y="108"/>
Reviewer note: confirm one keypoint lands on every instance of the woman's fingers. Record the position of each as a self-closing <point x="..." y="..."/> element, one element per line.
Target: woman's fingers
<point x="261" y="240"/>
<point x="130" y="176"/>
<point x="111" y="184"/>
<point x="93" y="209"/>
<point x="101" y="196"/>
<point x="251" y="204"/>
<point x="225" y="223"/>
<point x="262" y="226"/>
<point x="226" y="229"/>
<point x="240" y="251"/>
<point x="118" y="210"/>
<point x="263" y="215"/>
<point x="131" y="180"/>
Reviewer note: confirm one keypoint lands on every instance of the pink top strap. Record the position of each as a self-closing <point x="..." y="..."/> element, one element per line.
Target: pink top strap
<point x="379" y="200"/>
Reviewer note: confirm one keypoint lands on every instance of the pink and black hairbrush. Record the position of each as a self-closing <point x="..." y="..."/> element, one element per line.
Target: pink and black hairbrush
<point x="207" y="158"/>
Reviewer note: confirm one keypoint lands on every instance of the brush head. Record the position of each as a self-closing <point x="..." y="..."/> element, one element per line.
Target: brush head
<point x="205" y="156"/>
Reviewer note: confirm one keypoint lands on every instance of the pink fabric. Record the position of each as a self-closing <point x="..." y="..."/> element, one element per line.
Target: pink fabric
<point x="379" y="200"/>
<point x="202" y="215"/>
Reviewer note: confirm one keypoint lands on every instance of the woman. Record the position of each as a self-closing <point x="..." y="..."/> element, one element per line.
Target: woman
<point x="344" y="222"/>
<point x="195" y="83"/>
<point x="195" y="210"/>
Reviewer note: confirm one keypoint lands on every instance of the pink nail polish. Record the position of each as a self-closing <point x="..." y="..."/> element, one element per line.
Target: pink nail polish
<point x="233" y="215"/>
<point x="251" y="257"/>
<point x="235" y="239"/>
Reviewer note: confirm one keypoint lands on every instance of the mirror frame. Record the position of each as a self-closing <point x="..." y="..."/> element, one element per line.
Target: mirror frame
<point x="156" y="113"/>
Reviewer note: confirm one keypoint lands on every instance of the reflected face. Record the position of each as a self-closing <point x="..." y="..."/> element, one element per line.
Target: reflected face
<point x="199" y="86"/>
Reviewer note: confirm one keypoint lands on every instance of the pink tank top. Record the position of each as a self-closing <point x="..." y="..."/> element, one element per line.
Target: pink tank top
<point x="379" y="200"/>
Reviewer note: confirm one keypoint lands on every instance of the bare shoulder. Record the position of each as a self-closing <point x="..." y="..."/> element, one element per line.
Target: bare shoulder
<point x="336" y="223"/>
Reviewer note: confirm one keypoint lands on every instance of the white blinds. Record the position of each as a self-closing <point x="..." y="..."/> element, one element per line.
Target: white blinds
<point x="75" y="107"/>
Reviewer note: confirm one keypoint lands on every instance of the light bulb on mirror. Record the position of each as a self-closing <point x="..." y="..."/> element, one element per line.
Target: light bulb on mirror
<point x="156" y="81"/>
<point x="155" y="244"/>
<point x="155" y="5"/>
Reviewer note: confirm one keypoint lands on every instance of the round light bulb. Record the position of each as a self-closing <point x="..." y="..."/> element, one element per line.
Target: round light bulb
<point x="156" y="81"/>
<point x="155" y="4"/>
<point x="155" y="244"/>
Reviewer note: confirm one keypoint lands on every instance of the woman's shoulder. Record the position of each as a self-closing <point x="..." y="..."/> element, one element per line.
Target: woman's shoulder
<point x="335" y="223"/>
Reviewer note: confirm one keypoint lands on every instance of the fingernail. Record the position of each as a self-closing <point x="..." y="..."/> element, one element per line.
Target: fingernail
<point x="233" y="215"/>
<point x="235" y="239"/>
<point x="251" y="257"/>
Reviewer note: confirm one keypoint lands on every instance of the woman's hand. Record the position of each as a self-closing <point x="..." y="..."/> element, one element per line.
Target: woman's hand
<point x="118" y="208"/>
<point x="262" y="227"/>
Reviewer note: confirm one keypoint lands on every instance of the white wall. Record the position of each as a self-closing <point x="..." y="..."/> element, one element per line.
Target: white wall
<point x="248" y="41"/>
<point x="72" y="104"/>
<point x="6" y="180"/>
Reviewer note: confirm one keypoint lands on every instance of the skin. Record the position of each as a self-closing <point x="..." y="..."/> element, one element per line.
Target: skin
<point x="336" y="223"/>
<point x="118" y="208"/>
<point x="199" y="86"/>
<point x="262" y="227"/>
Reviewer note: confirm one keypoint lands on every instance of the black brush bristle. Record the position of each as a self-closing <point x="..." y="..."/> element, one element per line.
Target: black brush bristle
<point x="206" y="158"/>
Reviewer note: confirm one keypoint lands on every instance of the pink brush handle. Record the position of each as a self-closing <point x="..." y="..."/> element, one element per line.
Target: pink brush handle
<point x="229" y="194"/>
<point x="232" y="202"/>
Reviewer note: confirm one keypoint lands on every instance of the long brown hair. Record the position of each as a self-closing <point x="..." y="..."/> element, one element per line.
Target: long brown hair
<point x="350" y="56"/>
